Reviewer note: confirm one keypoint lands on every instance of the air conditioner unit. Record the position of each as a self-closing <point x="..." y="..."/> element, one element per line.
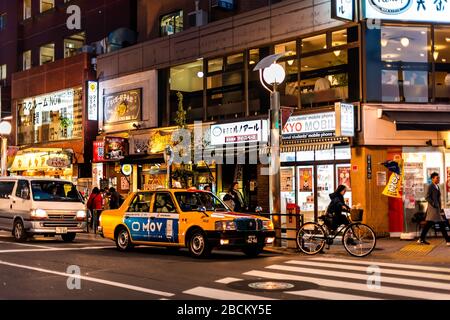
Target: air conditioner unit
<point x="198" y="18"/>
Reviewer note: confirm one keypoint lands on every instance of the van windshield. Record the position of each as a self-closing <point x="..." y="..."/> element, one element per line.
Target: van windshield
<point x="55" y="191"/>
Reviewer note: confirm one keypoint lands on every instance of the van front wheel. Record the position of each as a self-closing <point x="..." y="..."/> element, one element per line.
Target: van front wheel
<point x="69" y="237"/>
<point x="19" y="231"/>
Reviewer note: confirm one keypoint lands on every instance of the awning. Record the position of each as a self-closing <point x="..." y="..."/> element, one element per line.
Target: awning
<point x="419" y="120"/>
<point x="313" y="144"/>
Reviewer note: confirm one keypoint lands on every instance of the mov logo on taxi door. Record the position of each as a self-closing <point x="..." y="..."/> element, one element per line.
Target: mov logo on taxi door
<point x="149" y="226"/>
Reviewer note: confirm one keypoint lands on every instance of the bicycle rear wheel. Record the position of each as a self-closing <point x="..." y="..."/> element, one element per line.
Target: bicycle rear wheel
<point x="359" y="240"/>
<point x="311" y="238"/>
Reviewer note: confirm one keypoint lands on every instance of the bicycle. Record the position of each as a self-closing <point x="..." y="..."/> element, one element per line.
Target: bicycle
<point x="359" y="239"/>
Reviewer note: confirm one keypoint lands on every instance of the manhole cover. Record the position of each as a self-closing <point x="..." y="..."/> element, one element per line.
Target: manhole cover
<point x="271" y="285"/>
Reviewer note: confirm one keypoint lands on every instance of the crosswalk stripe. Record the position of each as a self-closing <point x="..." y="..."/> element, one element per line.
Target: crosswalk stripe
<point x="327" y="295"/>
<point x="384" y="264"/>
<point x="364" y="269"/>
<point x="351" y="286"/>
<point x="228" y="280"/>
<point x="384" y="279"/>
<point x="211" y="293"/>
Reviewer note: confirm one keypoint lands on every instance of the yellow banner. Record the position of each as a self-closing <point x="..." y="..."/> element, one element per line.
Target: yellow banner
<point x="393" y="187"/>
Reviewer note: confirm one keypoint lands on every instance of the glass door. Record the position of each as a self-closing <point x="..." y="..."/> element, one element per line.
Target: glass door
<point x="325" y="186"/>
<point x="305" y="189"/>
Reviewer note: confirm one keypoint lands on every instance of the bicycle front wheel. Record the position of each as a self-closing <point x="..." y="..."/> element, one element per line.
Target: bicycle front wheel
<point x="311" y="238"/>
<point x="359" y="240"/>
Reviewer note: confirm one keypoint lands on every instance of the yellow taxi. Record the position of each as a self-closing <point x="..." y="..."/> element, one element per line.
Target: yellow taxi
<point x="188" y="218"/>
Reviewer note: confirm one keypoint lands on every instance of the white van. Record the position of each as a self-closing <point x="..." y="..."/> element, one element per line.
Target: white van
<point x="37" y="206"/>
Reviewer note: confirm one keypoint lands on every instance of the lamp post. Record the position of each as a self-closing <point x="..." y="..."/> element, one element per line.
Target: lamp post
<point x="5" y="131"/>
<point x="273" y="74"/>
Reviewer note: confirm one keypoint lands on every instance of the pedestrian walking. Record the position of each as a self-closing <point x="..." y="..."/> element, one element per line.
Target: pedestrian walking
<point x="95" y="205"/>
<point x="238" y="198"/>
<point x="114" y="199"/>
<point x="434" y="210"/>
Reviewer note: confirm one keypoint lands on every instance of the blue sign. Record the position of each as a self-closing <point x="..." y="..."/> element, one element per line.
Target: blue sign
<point x="226" y="4"/>
<point x="408" y="10"/>
<point x="152" y="227"/>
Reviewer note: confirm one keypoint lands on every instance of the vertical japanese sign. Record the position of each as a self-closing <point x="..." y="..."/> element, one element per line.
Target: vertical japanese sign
<point x="343" y="9"/>
<point x="92" y="100"/>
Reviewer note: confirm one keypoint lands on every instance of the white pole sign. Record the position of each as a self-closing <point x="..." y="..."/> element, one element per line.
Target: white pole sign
<point x="92" y="103"/>
<point x="342" y="10"/>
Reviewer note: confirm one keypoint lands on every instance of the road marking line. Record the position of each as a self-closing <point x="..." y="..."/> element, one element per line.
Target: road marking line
<point x="25" y="245"/>
<point x="90" y="279"/>
<point x="327" y="295"/>
<point x="384" y="264"/>
<point x="222" y="294"/>
<point x="54" y="249"/>
<point x="228" y="280"/>
<point x="351" y="286"/>
<point x="364" y="269"/>
<point x="384" y="279"/>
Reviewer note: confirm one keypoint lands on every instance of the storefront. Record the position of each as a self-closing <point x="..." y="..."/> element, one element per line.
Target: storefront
<point x="316" y="158"/>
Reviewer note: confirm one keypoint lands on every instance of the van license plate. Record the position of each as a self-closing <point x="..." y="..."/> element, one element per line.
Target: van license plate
<point x="61" y="230"/>
<point x="252" y="239"/>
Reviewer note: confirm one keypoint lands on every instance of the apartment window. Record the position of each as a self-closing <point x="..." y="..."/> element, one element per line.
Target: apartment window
<point x="47" y="5"/>
<point x="26" y="9"/>
<point x="3" y="72"/>
<point x="26" y="60"/>
<point x="73" y="44"/>
<point x="47" y="53"/>
<point x="2" y="21"/>
<point x="171" y="23"/>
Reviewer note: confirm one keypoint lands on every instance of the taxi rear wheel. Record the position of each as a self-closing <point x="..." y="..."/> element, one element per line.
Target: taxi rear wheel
<point x="198" y="245"/>
<point x="123" y="240"/>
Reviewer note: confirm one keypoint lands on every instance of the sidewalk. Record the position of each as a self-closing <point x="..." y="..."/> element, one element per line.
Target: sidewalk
<point x="392" y="249"/>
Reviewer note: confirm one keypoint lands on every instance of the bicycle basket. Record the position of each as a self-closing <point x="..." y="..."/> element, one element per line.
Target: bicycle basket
<point x="356" y="214"/>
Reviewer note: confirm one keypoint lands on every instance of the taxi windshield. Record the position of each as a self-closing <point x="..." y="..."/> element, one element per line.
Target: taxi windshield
<point x="192" y="201"/>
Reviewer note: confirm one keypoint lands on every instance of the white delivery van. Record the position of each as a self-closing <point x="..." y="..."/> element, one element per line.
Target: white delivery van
<point x="38" y="206"/>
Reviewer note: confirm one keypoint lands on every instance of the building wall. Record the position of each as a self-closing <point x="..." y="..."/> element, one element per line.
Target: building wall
<point x="283" y="21"/>
<point x="366" y="192"/>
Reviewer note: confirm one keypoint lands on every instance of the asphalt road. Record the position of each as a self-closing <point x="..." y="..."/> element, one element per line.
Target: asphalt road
<point x="43" y="269"/>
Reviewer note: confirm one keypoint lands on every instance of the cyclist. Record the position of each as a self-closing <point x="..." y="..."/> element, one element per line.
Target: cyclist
<point x="336" y="207"/>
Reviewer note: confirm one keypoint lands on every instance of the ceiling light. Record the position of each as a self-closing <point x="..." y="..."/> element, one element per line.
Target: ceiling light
<point x="325" y="46"/>
<point x="404" y="41"/>
<point x="252" y="62"/>
<point x="435" y="55"/>
<point x="306" y="67"/>
<point x="422" y="54"/>
<point x="200" y="74"/>
<point x="447" y="39"/>
<point x="384" y="42"/>
<point x="444" y="60"/>
<point x="399" y="49"/>
<point x="423" y="32"/>
<point x="337" y="53"/>
<point x="290" y="62"/>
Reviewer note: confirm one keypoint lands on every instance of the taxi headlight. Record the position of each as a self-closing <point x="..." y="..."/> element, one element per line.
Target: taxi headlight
<point x="39" y="214"/>
<point x="225" y="225"/>
<point x="268" y="225"/>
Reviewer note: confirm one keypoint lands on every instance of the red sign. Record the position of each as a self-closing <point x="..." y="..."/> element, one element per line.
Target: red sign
<point x="355" y="168"/>
<point x="99" y="151"/>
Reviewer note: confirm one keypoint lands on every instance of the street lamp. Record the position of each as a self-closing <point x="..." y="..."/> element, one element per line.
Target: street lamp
<point x="5" y="131"/>
<point x="273" y="74"/>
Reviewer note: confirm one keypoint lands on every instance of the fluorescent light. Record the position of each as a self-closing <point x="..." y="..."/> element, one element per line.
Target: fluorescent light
<point x="447" y="39"/>
<point x="290" y="62"/>
<point x="399" y="49"/>
<point x="422" y="54"/>
<point x="384" y="42"/>
<point x="404" y="41"/>
<point x="337" y="53"/>
<point x="435" y="55"/>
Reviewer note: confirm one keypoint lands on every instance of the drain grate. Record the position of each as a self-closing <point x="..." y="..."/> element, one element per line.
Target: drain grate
<point x="271" y="285"/>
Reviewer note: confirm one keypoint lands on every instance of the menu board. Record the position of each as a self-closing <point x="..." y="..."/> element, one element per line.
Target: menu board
<point x="122" y="107"/>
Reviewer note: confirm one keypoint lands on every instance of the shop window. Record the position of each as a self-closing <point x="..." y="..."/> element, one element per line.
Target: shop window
<point x="215" y="65"/>
<point x="73" y="44"/>
<point x="2" y="21"/>
<point x="259" y="98"/>
<point x="235" y="59"/>
<point x="325" y="154"/>
<point x="287" y="157"/>
<point x="26" y="9"/>
<point x="171" y="23"/>
<point x="46" y="5"/>
<point x="315" y="43"/>
<point x="398" y="64"/>
<point x="339" y="38"/>
<point x="187" y="79"/>
<point x="305" y="156"/>
<point x="26" y="60"/>
<point x="47" y="53"/>
<point x="441" y="57"/>
<point x="253" y="57"/>
<point x="290" y="48"/>
<point x="343" y="153"/>
<point x="3" y="72"/>
<point x="324" y="77"/>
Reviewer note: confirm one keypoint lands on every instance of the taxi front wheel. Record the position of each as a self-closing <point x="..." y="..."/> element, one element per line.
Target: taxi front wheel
<point x="123" y="240"/>
<point x="198" y="245"/>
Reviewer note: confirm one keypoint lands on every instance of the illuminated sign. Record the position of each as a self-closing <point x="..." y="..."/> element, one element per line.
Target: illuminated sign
<point x="122" y="107"/>
<point x="239" y="132"/>
<point x="345" y="120"/>
<point x="342" y="10"/>
<point x="317" y="125"/>
<point x="407" y="10"/>
<point x="92" y="100"/>
<point x="127" y="169"/>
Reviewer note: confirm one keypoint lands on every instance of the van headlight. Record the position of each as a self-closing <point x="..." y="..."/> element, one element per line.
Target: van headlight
<point x="81" y="215"/>
<point x="268" y="225"/>
<point x="39" y="214"/>
<point x="225" y="225"/>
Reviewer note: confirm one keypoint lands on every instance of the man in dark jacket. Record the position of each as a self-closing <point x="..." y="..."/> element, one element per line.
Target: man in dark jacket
<point x="434" y="216"/>
<point x="115" y="199"/>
